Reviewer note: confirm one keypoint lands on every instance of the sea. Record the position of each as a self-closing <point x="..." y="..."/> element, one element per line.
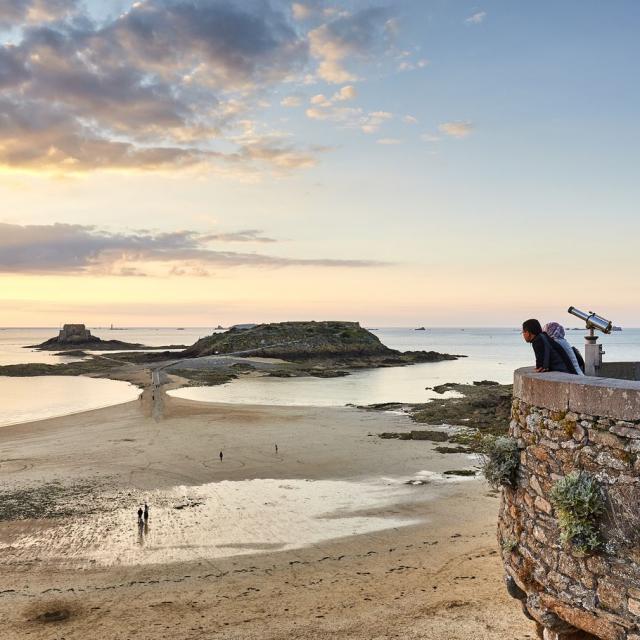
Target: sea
<point x="490" y="354"/>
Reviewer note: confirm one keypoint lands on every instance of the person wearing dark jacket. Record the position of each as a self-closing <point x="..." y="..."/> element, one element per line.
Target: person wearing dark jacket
<point x="550" y="356"/>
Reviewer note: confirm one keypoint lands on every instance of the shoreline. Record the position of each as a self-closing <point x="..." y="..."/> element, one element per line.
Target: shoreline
<point x="439" y="579"/>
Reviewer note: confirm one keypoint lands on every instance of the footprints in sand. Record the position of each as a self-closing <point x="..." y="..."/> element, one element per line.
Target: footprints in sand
<point x="15" y="465"/>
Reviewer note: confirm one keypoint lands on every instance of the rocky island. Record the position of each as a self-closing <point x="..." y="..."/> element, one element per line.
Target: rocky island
<point x="76" y="337"/>
<point x="282" y="349"/>
<point x="343" y="343"/>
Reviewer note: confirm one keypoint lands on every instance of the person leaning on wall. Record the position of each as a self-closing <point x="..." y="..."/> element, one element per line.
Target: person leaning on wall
<point x="550" y="356"/>
<point x="556" y="332"/>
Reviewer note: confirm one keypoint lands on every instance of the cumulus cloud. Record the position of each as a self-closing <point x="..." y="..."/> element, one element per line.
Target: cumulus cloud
<point x="157" y="87"/>
<point x="456" y="129"/>
<point x="333" y="110"/>
<point x="346" y="93"/>
<point x="374" y="120"/>
<point x="168" y="84"/>
<point x="358" y="35"/>
<point x="291" y="101"/>
<point x="20" y="12"/>
<point x="476" y="18"/>
<point x="72" y="249"/>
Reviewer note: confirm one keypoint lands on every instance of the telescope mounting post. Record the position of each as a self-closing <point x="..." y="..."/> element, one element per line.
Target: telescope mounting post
<point x="592" y="354"/>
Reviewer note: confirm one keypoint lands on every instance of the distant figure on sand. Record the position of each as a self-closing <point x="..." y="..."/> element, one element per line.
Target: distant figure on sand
<point x="221" y="456"/>
<point x="139" y="514"/>
<point x="276" y="448"/>
<point x="146" y="511"/>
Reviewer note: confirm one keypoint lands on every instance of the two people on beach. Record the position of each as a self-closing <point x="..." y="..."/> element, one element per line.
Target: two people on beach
<point x="143" y="515"/>
<point x="552" y="351"/>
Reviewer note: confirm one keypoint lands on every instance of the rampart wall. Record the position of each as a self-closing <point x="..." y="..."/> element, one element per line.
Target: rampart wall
<point x="563" y="424"/>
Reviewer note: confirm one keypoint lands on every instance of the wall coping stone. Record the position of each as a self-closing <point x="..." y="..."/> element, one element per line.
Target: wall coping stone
<point x="609" y="397"/>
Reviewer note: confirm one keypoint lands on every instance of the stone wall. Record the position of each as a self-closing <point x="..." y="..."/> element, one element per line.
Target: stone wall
<point x="562" y="424"/>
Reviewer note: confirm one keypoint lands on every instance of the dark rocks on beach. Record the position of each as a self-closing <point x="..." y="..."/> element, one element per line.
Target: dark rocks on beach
<point x="433" y="436"/>
<point x="483" y="408"/>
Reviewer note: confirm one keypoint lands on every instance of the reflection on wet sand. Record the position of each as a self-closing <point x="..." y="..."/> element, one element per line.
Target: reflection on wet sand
<point x="219" y="520"/>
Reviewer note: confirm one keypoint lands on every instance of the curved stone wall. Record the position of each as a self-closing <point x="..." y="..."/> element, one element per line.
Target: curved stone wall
<point x="565" y="423"/>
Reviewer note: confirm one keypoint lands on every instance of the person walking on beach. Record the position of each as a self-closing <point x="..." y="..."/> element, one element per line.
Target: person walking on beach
<point x="276" y="448"/>
<point x="556" y="332"/>
<point x="550" y="356"/>
<point x="139" y="514"/>
<point x="221" y="456"/>
<point x="146" y="511"/>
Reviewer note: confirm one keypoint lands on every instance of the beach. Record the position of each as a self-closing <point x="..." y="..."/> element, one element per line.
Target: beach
<point x="387" y="559"/>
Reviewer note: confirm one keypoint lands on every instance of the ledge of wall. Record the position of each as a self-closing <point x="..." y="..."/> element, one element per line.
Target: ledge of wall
<point x="608" y="397"/>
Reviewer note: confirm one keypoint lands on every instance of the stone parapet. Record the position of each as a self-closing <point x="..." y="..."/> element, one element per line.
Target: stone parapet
<point x="566" y="423"/>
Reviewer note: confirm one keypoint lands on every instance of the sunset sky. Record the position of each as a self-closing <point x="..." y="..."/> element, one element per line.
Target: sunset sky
<point x="424" y="162"/>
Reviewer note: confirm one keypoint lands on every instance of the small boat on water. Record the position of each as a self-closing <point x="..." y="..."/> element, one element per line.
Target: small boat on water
<point x="420" y="329"/>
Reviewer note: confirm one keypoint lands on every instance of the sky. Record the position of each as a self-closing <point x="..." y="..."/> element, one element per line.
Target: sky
<point x="415" y="162"/>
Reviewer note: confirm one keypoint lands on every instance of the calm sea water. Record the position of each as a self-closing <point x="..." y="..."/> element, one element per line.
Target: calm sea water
<point x="493" y="354"/>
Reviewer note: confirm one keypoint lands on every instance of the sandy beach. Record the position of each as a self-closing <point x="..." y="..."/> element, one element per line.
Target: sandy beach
<point x="323" y="539"/>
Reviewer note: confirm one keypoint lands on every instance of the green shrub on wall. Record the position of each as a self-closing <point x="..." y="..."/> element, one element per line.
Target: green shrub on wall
<point x="500" y="458"/>
<point x="578" y="501"/>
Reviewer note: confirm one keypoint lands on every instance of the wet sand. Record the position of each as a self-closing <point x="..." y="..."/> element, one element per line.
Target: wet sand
<point x="423" y="562"/>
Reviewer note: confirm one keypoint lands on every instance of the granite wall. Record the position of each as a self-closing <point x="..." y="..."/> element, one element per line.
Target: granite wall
<point x="564" y="423"/>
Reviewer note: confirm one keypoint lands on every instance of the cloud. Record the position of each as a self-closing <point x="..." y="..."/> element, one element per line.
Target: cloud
<point x="168" y="84"/>
<point x="291" y="101"/>
<point x="408" y="65"/>
<point x="311" y="9"/>
<point x="155" y="88"/>
<point x="410" y="119"/>
<point x="356" y="35"/>
<point x="248" y="235"/>
<point x="20" y="12"/>
<point x="388" y="141"/>
<point x="333" y="110"/>
<point x="374" y="120"/>
<point x="348" y="92"/>
<point x="74" y="249"/>
<point x="476" y="18"/>
<point x="456" y="129"/>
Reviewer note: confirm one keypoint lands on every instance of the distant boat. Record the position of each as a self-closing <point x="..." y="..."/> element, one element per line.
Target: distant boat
<point x="420" y="329"/>
<point x="180" y="329"/>
<point x="616" y="328"/>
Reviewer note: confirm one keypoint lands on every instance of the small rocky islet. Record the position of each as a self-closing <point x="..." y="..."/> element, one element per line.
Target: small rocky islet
<point x="73" y="339"/>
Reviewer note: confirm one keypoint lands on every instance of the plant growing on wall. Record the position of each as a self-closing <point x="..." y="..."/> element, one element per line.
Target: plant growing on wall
<point x="578" y="501"/>
<point x="500" y="458"/>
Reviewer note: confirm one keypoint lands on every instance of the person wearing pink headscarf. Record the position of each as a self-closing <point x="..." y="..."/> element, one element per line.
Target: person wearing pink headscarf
<point x="556" y="332"/>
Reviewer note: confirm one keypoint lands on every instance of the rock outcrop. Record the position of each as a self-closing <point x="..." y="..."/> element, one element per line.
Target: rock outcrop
<point x="340" y="342"/>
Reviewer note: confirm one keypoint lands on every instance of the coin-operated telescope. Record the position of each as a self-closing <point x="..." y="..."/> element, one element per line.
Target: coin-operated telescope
<point x="592" y="351"/>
